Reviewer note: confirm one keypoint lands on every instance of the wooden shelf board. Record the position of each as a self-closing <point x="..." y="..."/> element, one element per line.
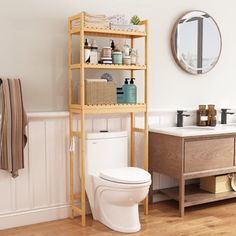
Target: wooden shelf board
<point x="109" y="33"/>
<point x="110" y="67"/>
<point x="196" y="196"/>
<point x="115" y="67"/>
<point x="200" y="174"/>
<point x="113" y="108"/>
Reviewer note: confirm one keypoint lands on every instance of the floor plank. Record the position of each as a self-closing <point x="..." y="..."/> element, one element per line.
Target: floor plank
<point x="213" y="219"/>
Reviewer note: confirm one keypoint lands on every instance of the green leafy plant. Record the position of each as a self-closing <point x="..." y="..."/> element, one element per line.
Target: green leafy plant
<point x="135" y="20"/>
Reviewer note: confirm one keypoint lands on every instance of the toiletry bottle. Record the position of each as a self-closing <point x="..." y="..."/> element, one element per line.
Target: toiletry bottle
<point x="130" y="92"/>
<point x="112" y="45"/>
<point x="120" y="95"/>
<point x="125" y="89"/>
<point x="133" y="57"/>
<point x="94" y="53"/>
<point x="87" y="50"/>
<point x="202" y="117"/>
<point x="137" y="57"/>
<point x="212" y="115"/>
<point x="126" y="49"/>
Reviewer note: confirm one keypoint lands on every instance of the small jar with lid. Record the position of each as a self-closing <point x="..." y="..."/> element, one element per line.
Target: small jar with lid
<point x="106" y="52"/>
<point x="117" y="57"/>
<point x="126" y="60"/>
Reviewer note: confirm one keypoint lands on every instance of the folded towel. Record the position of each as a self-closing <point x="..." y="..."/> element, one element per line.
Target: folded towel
<point x="88" y="15"/>
<point x="14" y="120"/>
<point x="96" y="19"/>
<point x="96" y="25"/>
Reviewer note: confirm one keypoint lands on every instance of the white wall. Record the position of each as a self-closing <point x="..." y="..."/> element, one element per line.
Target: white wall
<point x="33" y="46"/>
<point x="41" y="191"/>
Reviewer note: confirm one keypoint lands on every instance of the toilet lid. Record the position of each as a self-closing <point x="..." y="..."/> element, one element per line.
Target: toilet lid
<point x="126" y="175"/>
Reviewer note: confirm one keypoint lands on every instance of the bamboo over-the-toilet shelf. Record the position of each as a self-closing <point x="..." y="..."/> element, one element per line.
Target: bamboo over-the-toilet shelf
<point x="81" y="110"/>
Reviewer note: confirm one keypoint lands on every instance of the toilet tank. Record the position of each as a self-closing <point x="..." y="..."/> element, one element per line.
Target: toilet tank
<point x="106" y="150"/>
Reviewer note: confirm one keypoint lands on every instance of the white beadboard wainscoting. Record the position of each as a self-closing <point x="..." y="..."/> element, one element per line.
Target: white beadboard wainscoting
<point x="41" y="192"/>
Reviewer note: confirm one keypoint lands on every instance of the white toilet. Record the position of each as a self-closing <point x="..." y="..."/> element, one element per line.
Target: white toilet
<point x="114" y="189"/>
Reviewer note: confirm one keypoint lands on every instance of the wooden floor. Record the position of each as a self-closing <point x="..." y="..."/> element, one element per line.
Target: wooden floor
<point x="210" y="219"/>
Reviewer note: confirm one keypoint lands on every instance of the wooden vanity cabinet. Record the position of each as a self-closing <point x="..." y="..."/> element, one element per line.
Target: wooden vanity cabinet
<point x="187" y="158"/>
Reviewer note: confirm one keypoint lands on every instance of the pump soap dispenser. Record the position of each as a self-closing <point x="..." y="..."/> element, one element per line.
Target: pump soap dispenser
<point x="132" y="96"/>
<point x="125" y="89"/>
<point x="130" y="92"/>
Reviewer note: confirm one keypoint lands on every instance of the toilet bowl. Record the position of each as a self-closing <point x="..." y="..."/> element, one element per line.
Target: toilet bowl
<point x="114" y="193"/>
<point x="116" y="202"/>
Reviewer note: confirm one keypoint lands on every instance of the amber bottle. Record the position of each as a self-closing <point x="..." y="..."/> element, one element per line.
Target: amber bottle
<point x="202" y="117"/>
<point x="212" y="115"/>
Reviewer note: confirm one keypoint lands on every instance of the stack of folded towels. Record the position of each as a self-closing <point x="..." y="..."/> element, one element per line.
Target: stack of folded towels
<point x="94" y="21"/>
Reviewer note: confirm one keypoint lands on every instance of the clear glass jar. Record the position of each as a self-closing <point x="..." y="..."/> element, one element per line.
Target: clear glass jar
<point x="133" y="57"/>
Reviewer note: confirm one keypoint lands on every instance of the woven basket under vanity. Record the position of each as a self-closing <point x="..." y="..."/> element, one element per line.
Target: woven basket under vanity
<point x="99" y="91"/>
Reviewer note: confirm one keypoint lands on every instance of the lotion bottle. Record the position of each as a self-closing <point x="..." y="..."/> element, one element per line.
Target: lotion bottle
<point x="125" y="89"/>
<point x="132" y="92"/>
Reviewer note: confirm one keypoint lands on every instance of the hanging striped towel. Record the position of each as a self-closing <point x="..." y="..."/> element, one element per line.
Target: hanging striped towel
<point x="14" y="120"/>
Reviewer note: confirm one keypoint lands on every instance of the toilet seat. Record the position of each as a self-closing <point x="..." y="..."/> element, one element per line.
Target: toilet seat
<point x="126" y="175"/>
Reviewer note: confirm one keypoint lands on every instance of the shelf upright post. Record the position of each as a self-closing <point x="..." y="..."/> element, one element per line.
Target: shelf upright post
<point x="71" y="153"/>
<point x="82" y="121"/>
<point x="132" y="125"/>
<point x="145" y="164"/>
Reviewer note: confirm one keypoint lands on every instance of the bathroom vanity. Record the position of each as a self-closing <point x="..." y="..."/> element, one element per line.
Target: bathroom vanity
<point x="192" y="152"/>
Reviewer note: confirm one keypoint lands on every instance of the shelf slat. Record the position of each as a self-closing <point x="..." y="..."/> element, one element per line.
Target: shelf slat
<point x="196" y="196"/>
<point x="109" y="67"/>
<point x="115" y="67"/>
<point x="200" y="174"/>
<point x="114" y="108"/>
<point x="109" y="33"/>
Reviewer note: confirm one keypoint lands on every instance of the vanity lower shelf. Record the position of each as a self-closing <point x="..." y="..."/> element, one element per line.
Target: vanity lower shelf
<point x="196" y="196"/>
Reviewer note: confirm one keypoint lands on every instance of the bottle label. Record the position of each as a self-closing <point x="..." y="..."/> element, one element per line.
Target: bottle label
<point x="204" y="118"/>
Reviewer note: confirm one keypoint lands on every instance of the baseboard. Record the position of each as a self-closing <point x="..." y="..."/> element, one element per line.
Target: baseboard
<point x="35" y="216"/>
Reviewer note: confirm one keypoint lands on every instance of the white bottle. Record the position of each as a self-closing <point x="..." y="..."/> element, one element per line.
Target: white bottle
<point x="133" y="57"/>
<point x="126" y="49"/>
<point x="137" y="57"/>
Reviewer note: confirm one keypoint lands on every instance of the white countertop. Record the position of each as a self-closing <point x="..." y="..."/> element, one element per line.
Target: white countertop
<point x="190" y="131"/>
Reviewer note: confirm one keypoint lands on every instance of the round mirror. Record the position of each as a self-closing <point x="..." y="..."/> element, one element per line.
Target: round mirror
<point x="196" y="42"/>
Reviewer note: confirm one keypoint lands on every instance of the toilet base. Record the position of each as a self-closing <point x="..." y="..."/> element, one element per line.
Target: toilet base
<point x="126" y="219"/>
<point x="116" y="205"/>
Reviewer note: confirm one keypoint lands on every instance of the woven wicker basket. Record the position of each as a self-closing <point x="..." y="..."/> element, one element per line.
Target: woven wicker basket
<point x="99" y="91"/>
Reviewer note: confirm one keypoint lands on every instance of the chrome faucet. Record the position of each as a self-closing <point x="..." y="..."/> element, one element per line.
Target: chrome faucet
<point x="180" y="115"/>
<point x="224" y="114"/>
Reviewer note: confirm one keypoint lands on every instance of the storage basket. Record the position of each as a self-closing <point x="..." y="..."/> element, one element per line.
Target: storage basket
<point x="216" y="184"/>
<point x="99" y="91"/>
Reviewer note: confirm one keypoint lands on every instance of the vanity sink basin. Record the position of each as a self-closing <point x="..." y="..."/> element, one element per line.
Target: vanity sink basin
<point x="191" y="131"/>
<point x="231" y="124"/>
<point x="196" y="128"/>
